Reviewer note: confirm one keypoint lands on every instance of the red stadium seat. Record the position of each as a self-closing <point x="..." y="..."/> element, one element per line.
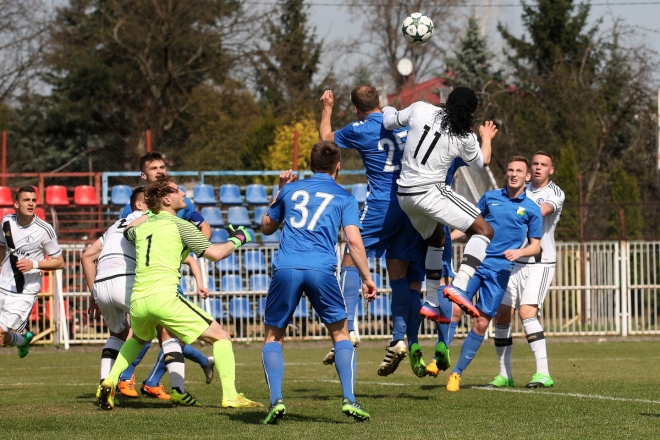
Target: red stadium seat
<point x="36" y="190"/>
<point x="5" y="211"/>
<point x="6" y="198"/>
<point x="85" y="195"/>
<point x="40" y="213"/>
<point x="56" y="196"/>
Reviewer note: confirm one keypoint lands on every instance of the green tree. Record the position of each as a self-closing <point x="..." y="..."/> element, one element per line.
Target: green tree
<point x="280" y="153"/>
<point x="567" y="177"/>
<point x="625" y="199"/>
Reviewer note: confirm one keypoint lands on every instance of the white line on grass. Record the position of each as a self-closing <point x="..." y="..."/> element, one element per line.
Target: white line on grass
<point x="582" y="396"/>
<point x="365" y="382"/>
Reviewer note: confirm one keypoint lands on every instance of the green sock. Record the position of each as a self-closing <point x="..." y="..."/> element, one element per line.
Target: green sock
<point x="226" y="366"/>
<point x="129" y="351"/>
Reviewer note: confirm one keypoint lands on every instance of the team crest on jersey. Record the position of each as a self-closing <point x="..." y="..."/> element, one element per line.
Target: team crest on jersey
<point x="540" y="201"/>
<point x="29" y="239"/>
<point x="520" y="211"/>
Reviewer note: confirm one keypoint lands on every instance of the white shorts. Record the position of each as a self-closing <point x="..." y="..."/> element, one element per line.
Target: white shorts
<point x="113" y="297"/>
<point x="528" y="285"/>
<point x="438" y="205"/>
<point x="15" y="310"/>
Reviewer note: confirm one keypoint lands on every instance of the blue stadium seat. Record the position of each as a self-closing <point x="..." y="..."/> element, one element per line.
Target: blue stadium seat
<point x="259" y="212"/>
<point x="255" y="194"/>
<point x="259" y="281"/>
<point x="203" y="195"/>
<point x="211" y="284"/>
<point x="120" y="195"/>
<point x="230" y="194"/>
<point x="360" y="192"/>
<point x="376" y="278"/>
<point x="255" y="240"/>
<point x="302" y="311"/>
<point x="229" y="264"/>
<point x="254" y="261"/>
<point x="187" y="283"/>
<point x="261" y="307"/>
<point x="274" y="191"/>
<point x="232" y="283"/>
<point x="272" y="239"/>
<point x="216" y="308"/>
<point x="183" y="188"/>
<point x="213" y="216"/>
<point x="238" y="216"/>
<point x="240" y="308"/>
<point x="380" y="307"/>
<point x="219" y="236"/>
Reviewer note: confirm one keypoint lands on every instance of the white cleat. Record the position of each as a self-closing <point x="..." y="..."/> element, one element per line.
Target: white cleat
<point x="392" y="359"/>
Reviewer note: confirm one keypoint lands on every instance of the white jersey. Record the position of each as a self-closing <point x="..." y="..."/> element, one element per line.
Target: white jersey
<point x="117" y="257"/>
<point x="33" y="242"/>
<point x="429" y="150"/>
<point x="552" y="194"/>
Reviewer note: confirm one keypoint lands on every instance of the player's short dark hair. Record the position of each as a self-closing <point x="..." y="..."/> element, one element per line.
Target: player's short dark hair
<point x="149" y="157"/>
<point x="519" y="159"/>
<point x="325" y="157"/>
<point x="545" y="153"/>
<point x="365" y="98"/>
<point x="24" y="189"/>
<point x="458" y="113"/>
<point x="156" y="190"/>
<point x="134" y="196"/>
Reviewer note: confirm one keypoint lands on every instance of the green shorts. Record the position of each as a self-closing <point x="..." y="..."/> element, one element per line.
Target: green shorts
<point x="178" y="315"/>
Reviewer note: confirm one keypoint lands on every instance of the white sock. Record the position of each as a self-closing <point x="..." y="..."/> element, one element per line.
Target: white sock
<point x="474" y="254"/>
<point x="536" y="340"/>
<point x="16" y="339"/>
<point x="109" y="355"/>
<point x="175" y="364"/>
<point x="433" y="265"/>
<point x="504" y="348"/>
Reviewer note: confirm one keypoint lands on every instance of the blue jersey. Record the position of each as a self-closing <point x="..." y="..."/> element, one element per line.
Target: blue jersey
<point x="312" y="211"/>
<point x="513" y="220"/>
<point x="381" y="151"/>
<point x="188" y="213"/>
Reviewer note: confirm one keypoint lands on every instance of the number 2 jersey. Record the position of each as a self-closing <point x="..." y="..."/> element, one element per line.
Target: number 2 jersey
<point x="312" y="210"/>
<point x="117" y="257"/>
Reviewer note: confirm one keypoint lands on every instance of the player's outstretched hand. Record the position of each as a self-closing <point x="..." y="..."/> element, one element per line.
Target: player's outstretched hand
<point x="369" y="290"/>
<point x="238" y="236"/>
<point x="287" y="176"/>
<point x="512" y="254"/>
<point x="488" y="130"/>
<point x="328" y="99"/>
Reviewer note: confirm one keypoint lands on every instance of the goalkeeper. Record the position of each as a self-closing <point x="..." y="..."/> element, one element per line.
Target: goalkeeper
<point x="161" y="242"/>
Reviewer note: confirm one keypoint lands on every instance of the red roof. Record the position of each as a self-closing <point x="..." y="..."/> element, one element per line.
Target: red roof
<point x="425" y="91"/>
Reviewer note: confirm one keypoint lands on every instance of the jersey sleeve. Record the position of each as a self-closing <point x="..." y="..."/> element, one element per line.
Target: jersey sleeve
<point x="350" y="215"/>
<point x="51" y="246"/>
<point x="192" y="238"/>
<point x="348" y="137"/>
<point x="3" y="241"/>
<point x="482" y="204"/>
<point x="556" y="199"/>
<point x="471" y="152"/>
<point x="535" y="226"/>
<point x="130" y="234"/>
<point x="393" y="119"/>
<point x="276" y="210"/>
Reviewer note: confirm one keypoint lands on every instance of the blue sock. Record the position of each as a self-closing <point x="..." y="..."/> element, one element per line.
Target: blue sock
<point x="452" y="331"/>
<point x="273" y="362"/>
<point x="468" y="351"/>
<point x="157" y="372"/>
<point x="345" y="362"/>
<point x="190" y="352"/>
<point x="445" y="307"/>
<point x="414" y="319"/>
<point x="400" y="307"/>
<point x="128" y="373"/>
<point x="350" y="286"/>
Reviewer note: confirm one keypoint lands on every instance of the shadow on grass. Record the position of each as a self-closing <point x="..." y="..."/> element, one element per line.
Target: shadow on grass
<point x="127" y="402"/>
<point x="255" y="418"/>
<point x="655" y="416"/>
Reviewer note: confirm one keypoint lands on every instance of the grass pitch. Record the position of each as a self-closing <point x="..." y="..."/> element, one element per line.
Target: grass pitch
<point x="605" y="388"/>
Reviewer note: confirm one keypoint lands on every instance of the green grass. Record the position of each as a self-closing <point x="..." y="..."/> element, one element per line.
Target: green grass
<point x="606" y="389"/>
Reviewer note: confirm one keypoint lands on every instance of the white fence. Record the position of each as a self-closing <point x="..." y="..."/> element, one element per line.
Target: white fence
<point x="600" y="288"/>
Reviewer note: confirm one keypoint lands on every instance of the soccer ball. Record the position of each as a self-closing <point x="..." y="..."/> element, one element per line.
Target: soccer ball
<point x="417" y="28"/>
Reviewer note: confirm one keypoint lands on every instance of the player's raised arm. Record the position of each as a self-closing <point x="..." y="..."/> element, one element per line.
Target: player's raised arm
<point x="393" y="119"/>
<point x="487" y="133"/>
<point x="325" y="128"/>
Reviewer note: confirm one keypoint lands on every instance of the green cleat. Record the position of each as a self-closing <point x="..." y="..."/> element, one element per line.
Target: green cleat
<point x="106" y="395"/>
<point x="540" y="380"/>
<point x="500" y="382"/>
<point x="416" y="362"/>
<point x="442" y="356"/>
<point x="185" y="399"/>
<point x="355" y="410"/>
<point x="275" y="413"/>
<point x="24" y="349"/>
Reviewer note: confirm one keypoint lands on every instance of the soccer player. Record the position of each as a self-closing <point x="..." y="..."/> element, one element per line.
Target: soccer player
<point x="516" y="220"/>
<point x="312" y="211"/>
<point x="436" y="137"/>
<point x="531" y="280"/>
<point x="385" y="227"/>
<point x="161" y="241"/>
<point x="24" y="242"/>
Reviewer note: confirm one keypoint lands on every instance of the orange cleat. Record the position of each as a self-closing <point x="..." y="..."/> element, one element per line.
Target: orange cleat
<point x="459" y="297"/>
<point x="127" y="387"/>
<point x="157" y="392"/>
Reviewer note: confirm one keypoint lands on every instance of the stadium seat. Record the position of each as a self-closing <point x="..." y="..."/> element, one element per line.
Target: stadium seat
<point x="183" y="188"/>
<point x="39" y="212"/>
<point x="238" y="216"/>
<point x="6" y="211"/>
<point x="120" y="195"/>
<point x="56" y="195"/>
<point x="230" y="194"/>
<point x="255" y="194"/>
<point x="187" y="284"/>
<point x="360" y="192"/>
<point x="6" y="198"/>
<point x="240" y="308"/>
<point x="210" y="284"/>
<point x="254" y="261"/>
<point x="219" y="236"/>
<point x="203" y="195"/>
<point x="216" y="308"/>
<point x="85" y="195"/>
<point x="380" y="307"/>
<point x="213" y="216"/>
<point x="259" y="281"/>
<point x="255" y="240"/>
<point x="261" y="306"/>
<point x="36" y="191"/>
<point x="229" y="264"/>
<point x="272" y="239"/>
<point x="232" y="283"/>
<point x="275" y="189"/>
<point x="377" y="280"/>
<point x="259" y="212"/>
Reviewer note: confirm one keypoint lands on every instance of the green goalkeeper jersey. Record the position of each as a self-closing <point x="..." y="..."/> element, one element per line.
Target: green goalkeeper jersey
<point x="161" y="244"/>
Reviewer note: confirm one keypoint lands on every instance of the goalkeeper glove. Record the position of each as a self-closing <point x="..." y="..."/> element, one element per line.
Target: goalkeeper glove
<point x="239" y="236"/>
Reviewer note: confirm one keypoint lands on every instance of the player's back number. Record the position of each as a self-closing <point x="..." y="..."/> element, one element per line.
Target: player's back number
<point x="302" y="199"/>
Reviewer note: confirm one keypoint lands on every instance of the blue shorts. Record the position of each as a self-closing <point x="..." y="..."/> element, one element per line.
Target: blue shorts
<point x="386" y="228"/>
<point x="491" y="286"/>
<point x="286" y="289"/>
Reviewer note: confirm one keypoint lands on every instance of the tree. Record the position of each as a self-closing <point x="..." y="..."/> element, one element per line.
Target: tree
<point x="626" y="200"/>
<point x="280" y="153"/>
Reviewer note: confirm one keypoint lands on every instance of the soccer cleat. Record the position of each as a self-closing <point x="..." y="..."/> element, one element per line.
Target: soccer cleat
<point x="500" y="382"/>
<point x="329" y="358"/>
<point x="416" y="362"/>
<point x="432" y="313"/>
<point x="239" y="402"/>
<point x="208" y="370"/>
<point x="540" y="380"/>
<point x="24" y="349"/>
<point x="459" y="297"/>
<point x="442" y="356"/>
<point x="392" y="358"/>
<point x="355" y="410"/>
<point x="106" y="396"/>
<point x="157" y="392"/>
<point x="185" y="399"/>
<point x="127" y="387"/>
<point x="355" y="340"/>
<point x="454" y="382"/>
<point x="275" y="412"/>
<point x="432" y="369"/>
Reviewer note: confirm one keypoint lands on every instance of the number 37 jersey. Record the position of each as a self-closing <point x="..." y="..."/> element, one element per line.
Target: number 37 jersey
<point x="312" y="211"/>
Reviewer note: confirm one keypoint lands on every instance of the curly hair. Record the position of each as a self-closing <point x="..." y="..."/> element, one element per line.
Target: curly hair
<point x="155" y="191"/>
<point x="457" y="116"/>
